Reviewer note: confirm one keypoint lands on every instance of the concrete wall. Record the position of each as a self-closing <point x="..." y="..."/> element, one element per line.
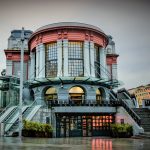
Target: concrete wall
<point x="123" y="114"/>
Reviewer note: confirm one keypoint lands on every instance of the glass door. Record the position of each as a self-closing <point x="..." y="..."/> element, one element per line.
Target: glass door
<point x="86" y="126"/>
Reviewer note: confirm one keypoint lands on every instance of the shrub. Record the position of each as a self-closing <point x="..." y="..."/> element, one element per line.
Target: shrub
<point x="121" y="130"/>
<point x="36" y="129"/>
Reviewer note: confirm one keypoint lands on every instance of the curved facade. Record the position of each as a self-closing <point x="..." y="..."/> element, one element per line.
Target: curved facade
<point x="71" y="50"/>
<point x="74" y="64"/>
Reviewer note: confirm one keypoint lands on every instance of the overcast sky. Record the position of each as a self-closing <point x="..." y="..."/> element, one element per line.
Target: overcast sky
<point x="128" y="21"/>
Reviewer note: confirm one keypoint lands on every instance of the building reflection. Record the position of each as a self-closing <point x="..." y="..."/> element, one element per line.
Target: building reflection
<point x="101" y="144"/>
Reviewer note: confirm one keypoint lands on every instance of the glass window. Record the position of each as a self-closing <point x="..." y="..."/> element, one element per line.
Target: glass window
<point x="75" y="58"/>
<point x="51" y="60"/>
<point x="51" y="94"/>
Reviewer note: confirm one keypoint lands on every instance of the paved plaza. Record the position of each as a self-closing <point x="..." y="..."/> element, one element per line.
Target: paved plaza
<point x="80" y="143"/>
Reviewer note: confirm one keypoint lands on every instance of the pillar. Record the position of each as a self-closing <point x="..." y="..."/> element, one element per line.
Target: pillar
<point x="41" y="61"/>
<point x="65" y="53"/>
<point x="32" y="67"/>
<point x="37" y="61"/>
<point x="86" y="59"/>
<point x="103" y="69"/>
<point x="59" y="58"/>
<point x="92" y="66"/>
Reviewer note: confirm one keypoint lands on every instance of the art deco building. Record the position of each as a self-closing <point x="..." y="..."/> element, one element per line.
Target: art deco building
<point x="70" y="71"/>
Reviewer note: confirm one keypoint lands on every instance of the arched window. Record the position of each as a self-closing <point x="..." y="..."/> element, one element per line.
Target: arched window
<point x="100" y="95"/>
<point x="51" y="94"/>
<point x="76" y="94"/>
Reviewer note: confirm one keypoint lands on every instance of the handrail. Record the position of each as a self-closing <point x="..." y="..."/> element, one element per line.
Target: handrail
<point x="5" y="109"/>
<point x="131" y="112"/>
<point x="17" y="109"/>
<point x="31" y="105"/>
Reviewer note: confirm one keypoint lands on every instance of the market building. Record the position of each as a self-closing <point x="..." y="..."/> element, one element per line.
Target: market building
<point x="141" y="94"/>
<point x="70" y="71"/>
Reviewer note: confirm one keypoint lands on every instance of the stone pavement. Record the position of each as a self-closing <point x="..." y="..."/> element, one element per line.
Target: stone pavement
<point x="78" y="143"/>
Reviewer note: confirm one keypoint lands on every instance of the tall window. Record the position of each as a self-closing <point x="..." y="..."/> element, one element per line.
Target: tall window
<point x="97" y="61"/>
<point x="75" y="59"/>
<point x="51" y="60"/>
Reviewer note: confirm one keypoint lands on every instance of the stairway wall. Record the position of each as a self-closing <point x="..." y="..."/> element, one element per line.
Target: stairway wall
<point x="123" y="114"/>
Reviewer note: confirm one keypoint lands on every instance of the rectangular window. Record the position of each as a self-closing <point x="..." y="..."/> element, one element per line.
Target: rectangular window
<point x="75" y="59"/>
<point x="51" y="60"/>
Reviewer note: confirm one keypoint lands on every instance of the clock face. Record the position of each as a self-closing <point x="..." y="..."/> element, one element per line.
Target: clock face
<point x="108" y="50"/>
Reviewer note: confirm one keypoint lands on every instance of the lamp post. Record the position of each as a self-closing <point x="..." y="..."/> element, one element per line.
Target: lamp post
<point x="21" y="82"/>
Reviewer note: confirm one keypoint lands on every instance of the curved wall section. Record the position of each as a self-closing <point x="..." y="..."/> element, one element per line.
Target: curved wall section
<point x="70" y="34"/>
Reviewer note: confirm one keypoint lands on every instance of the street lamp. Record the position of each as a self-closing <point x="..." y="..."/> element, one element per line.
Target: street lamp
<point x="21" y="82"/>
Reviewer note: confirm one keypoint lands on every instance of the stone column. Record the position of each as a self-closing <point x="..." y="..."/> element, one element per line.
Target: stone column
<point x="41" y="61"/>
<point x="86" y="59"/>
<point x="59" y="58"/>
<point x="103" y="69"/>
<point x="37" y="61"/>
<point x="32" y="66"/>
<point x="65" y="51"/>
<point x="92" y="66"/>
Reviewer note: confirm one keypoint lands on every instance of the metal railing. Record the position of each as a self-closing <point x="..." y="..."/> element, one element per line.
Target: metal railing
<point x="60" y="103"/>
<point x="136" y="118"/>
<point x="6" y="108"/>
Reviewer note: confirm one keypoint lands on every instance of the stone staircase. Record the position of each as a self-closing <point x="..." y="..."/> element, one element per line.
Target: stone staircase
<point x="144" y="114"/>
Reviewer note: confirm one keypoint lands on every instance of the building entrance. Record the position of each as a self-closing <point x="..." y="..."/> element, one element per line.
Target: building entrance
<point x="78" y="125"/>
